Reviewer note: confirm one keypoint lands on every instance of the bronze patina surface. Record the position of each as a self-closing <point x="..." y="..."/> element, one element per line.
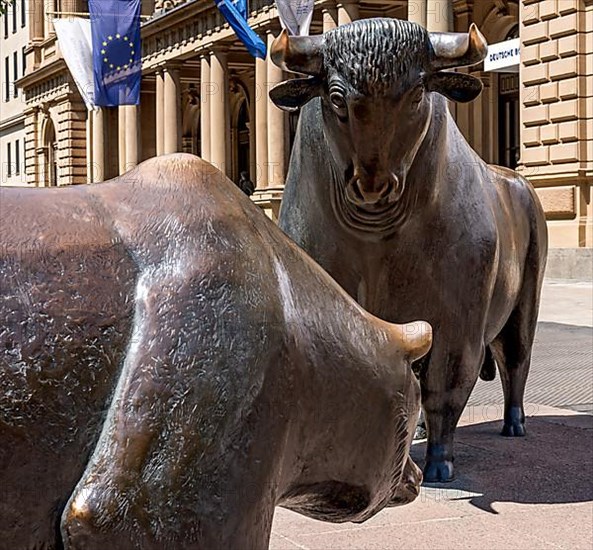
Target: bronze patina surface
<point x="172" y="367"/>
<point x="386" y="194"/>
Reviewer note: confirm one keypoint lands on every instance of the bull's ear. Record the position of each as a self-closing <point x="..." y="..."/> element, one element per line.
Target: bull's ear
<point x="455" y="86"/>
<point x="292" y="94"/>
<point x="414" y="338"/>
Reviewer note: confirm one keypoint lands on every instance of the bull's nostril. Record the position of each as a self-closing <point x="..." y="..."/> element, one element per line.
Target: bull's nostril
<point x="386" y="189"/>
<point x="357" y="188"/>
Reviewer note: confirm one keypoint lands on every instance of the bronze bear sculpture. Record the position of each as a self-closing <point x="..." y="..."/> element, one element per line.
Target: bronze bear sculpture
<point x="386" y="194"/>
<point x="173" y="367"/>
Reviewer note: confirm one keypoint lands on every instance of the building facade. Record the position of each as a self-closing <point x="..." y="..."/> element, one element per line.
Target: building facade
<point x="203" y="93"/>
<point x="14" y="35"/>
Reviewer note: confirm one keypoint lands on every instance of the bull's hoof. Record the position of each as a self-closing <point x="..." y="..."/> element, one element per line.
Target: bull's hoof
<point x="513" y="429"/>
<point x="438" y="471"/>
<point x="514" y="423"/>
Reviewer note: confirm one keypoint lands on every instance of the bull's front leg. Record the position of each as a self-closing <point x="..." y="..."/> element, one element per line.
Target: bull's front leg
<point x="446" y="386"/>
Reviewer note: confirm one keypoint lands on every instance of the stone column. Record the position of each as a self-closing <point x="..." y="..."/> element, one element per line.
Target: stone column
<point x="439" y="15"/>
<point x="31" y="146"/>
<point x="219" y="110"/>
<point x="439" y="18"/>
<point x="171" y="111"/>
<point x="70" y="119"/>
<point x="261" y="123"/>
<point x="132" y="137"/>
<point x="89" y="147"/>
<point x="121" y="139"/>
<point x="347" y="11"/>
<point x="205" y="102"/>
<point x="98" y="150"/>
<point x="160" y="115"/>
<point x="483" y="131"/>
<point x="330" y="17"/>
<point x="276" y="164"/>
<point x="35" y="20"/>
<point x="417" y="11"/>
<point x="251" y="126"/>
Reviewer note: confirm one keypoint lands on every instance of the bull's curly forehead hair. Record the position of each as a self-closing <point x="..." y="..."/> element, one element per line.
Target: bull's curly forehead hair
<point x="374" y="55"/>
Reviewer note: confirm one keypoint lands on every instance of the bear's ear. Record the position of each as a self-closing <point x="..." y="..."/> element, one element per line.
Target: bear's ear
<point x="290" y="95"/>
<point x="458" y="87"/>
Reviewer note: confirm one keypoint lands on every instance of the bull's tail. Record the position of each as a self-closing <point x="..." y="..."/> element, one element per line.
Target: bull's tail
<point x="488" y="371"/>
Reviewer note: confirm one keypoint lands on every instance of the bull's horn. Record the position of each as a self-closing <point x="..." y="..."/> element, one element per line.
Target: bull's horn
<point x="458" y="49"/>
<point x="298" y="54"/>
<point x="415" y="339"/>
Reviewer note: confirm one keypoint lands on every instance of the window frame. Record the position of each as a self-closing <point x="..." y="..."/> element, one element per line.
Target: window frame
<point x="17" y="157"/>
<point x="14" y="18"/>
<point x="15" y="68"/>
<point x="7" y="79"/>
<point x="9" y="159"/>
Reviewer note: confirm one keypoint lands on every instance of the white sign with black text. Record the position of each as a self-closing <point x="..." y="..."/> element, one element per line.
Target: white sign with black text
<point x="504" y="57"/>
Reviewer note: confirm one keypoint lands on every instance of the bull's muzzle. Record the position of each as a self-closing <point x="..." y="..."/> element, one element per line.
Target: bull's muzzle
<point x="367" y="190"/>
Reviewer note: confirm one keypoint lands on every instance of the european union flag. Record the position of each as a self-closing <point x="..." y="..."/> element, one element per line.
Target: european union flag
<point x="117" y="57"/>
<point x="235" y="12"/>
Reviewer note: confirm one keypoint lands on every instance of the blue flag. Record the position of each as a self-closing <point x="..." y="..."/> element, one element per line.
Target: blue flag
<point x="241" y="7"/>
<point x="117" y="56"/>
<point x="235" y="13"/>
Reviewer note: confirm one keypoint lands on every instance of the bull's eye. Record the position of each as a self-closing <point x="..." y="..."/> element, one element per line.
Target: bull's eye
<point x="339" y="105"/>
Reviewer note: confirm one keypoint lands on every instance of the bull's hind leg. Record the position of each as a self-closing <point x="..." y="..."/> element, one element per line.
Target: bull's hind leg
<point x="446" y="387"/>
<point x="512" y="349"/>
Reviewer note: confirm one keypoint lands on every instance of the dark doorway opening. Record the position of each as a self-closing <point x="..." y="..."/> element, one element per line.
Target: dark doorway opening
<point x="243" y="153"/>
<point x="509" y="143"/>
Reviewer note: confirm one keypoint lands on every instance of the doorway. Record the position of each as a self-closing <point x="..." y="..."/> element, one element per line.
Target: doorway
<point x="509" y="145"/>
<point x="50" y="147"/>
<point x="242" y="132"/>
<point x="509" y="128"/>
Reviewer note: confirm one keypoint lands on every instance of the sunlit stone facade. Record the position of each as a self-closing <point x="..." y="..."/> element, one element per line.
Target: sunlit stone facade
<point x="203" y="93"/>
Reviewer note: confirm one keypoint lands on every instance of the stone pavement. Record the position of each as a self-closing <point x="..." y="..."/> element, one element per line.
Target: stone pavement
<point x="510" y="493"/>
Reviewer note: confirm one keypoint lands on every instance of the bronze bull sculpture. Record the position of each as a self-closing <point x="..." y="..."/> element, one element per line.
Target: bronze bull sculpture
<point x="173" y="367"/>
<point x="386" y="194"/>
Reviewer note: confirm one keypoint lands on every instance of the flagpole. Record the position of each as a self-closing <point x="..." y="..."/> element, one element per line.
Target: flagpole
<point x="81" y="14"/>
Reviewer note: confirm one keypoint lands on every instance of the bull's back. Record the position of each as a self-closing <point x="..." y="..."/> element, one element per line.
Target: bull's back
<point x="65" y="288"/>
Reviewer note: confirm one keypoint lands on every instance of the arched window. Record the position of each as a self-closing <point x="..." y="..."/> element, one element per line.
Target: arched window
<point x="243" y="152"/>
<point x="50" y="148"/>
<point x="191" y="131"/>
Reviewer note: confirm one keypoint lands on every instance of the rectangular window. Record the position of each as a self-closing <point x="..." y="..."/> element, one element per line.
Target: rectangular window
<point x="14" y="17"/>
<point x="15" y="68"/>
<point x="5" y="17"/>
<point x="9" y="158"/>
<point x="6" y="79"/>
<point x="24" y="60"/>
<point x="23" y="13"/>
<point x="17" y="157"/>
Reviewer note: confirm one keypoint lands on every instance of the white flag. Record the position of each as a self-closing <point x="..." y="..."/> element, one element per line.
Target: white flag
<point x="74" y="39"/>
<point x="296" y="15"/>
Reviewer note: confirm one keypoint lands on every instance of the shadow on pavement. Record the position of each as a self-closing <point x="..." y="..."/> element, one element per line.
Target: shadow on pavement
<point x="553" y="464"/>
